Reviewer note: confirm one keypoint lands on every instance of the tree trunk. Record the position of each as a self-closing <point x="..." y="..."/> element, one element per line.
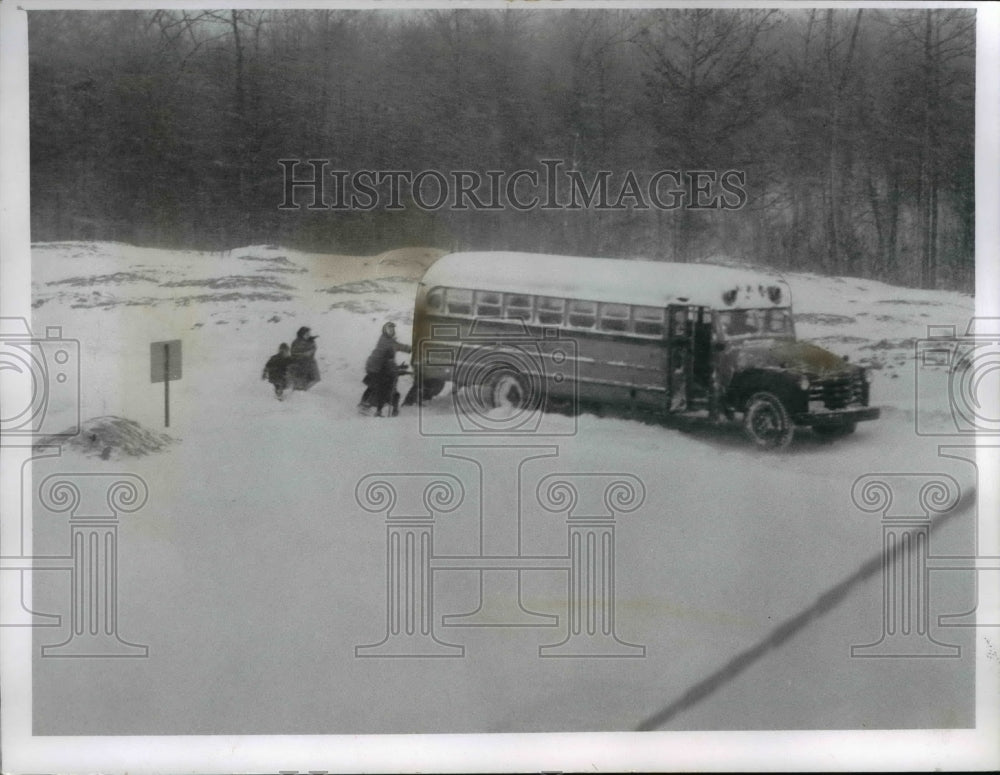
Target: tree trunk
<point x="880" y="229"/>
<point x="924" y="198"/>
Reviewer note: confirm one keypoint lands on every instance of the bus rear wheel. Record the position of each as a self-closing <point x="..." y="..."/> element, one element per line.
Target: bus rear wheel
<point x="509" y="392"/>
<point x="767" y="422"/>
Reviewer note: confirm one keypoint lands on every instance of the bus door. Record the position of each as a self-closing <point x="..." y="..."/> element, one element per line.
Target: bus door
<point x="701" y="370"/>
<point x="680" y="355"/>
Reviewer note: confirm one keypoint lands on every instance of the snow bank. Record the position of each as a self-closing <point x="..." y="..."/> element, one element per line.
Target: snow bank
<point x="110" y="438"/>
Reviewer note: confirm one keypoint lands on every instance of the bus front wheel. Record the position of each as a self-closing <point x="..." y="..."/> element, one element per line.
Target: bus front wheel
<point x="767" y="422"/>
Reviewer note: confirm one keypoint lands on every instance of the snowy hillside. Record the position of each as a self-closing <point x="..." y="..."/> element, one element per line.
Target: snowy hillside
<point x="254" y="571"/>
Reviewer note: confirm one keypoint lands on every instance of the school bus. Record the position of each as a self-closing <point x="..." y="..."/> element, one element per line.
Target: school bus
<point x="669" y="338"/>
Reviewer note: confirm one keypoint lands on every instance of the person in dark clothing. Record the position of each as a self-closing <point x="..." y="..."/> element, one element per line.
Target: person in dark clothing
<point x="276" y="371"/>
<point x="304" y="372"/>
<point x="382" y="371"/>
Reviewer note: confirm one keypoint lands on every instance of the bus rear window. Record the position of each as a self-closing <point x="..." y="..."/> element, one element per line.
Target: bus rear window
<point x="435" y="299"/>
<point x="550" y="310"/>
<point x="582" y="314"/>
<point x="488" y="304"/>
<point x="648" y="321"/>
<point x="459" y="301"/>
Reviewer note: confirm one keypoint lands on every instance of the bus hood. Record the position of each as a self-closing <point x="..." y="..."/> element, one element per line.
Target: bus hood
<point x="802" y="357"/>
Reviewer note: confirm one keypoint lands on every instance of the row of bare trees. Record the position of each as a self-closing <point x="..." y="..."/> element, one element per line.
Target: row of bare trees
<point x="854" y="128"/>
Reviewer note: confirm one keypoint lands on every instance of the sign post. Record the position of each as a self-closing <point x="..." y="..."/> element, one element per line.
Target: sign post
<point x="164" y="366"/>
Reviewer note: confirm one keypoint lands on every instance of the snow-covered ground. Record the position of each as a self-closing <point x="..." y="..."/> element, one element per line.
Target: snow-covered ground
<point x="252" y="573"/>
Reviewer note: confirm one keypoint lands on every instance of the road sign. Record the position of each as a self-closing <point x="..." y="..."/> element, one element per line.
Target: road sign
<point x="165" y="360"/>
<point x="164" y="366"/>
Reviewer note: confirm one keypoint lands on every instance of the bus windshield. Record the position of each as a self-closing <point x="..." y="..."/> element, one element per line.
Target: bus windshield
<point x="756" y="323"/>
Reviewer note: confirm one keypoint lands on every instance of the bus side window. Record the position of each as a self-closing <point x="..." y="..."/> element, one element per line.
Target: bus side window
<point x="549" y="310"/>
<point x="517" y="305"/>
<point x="648" y="321"/>
<point x="582" y="314"/>
<point x="488" y="304"/>
<point x="459" y="301"/>
<point x="614" y="317"/>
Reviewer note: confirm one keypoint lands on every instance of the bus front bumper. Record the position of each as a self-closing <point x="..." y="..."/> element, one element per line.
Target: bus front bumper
<point x="839" y="416"/>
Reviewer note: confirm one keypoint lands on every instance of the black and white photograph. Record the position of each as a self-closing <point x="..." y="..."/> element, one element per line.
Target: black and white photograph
<point x="502" y="386"/>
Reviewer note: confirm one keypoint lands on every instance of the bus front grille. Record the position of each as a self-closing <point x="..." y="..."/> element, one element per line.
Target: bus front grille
<point x="837" y="393"/>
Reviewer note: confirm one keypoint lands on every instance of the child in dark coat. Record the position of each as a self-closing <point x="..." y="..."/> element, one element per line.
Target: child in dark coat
<point x="276" y="370"/>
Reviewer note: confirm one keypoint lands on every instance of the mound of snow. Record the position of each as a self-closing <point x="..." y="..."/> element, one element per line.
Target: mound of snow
<point x="111" y="437"/>
<point x="408" y="262"/>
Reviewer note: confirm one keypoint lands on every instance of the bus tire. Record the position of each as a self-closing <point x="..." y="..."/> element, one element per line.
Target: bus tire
<point x="509" y="390"/>
<point x="431" y="387"/>
<point x="767" y="422"/>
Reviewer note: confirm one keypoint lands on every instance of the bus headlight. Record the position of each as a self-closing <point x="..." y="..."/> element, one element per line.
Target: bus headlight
<point x="804" y="383"/>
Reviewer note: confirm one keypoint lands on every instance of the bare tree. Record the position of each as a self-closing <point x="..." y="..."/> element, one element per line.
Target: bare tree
<point x="702" y="75"/>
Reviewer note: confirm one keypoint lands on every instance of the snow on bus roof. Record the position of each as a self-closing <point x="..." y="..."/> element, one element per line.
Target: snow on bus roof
<point x="627" y="281"/>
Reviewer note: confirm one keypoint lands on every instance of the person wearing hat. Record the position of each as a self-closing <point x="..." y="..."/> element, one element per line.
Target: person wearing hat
<point x="381" y="372"/>
<point x="304" y="371"/>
